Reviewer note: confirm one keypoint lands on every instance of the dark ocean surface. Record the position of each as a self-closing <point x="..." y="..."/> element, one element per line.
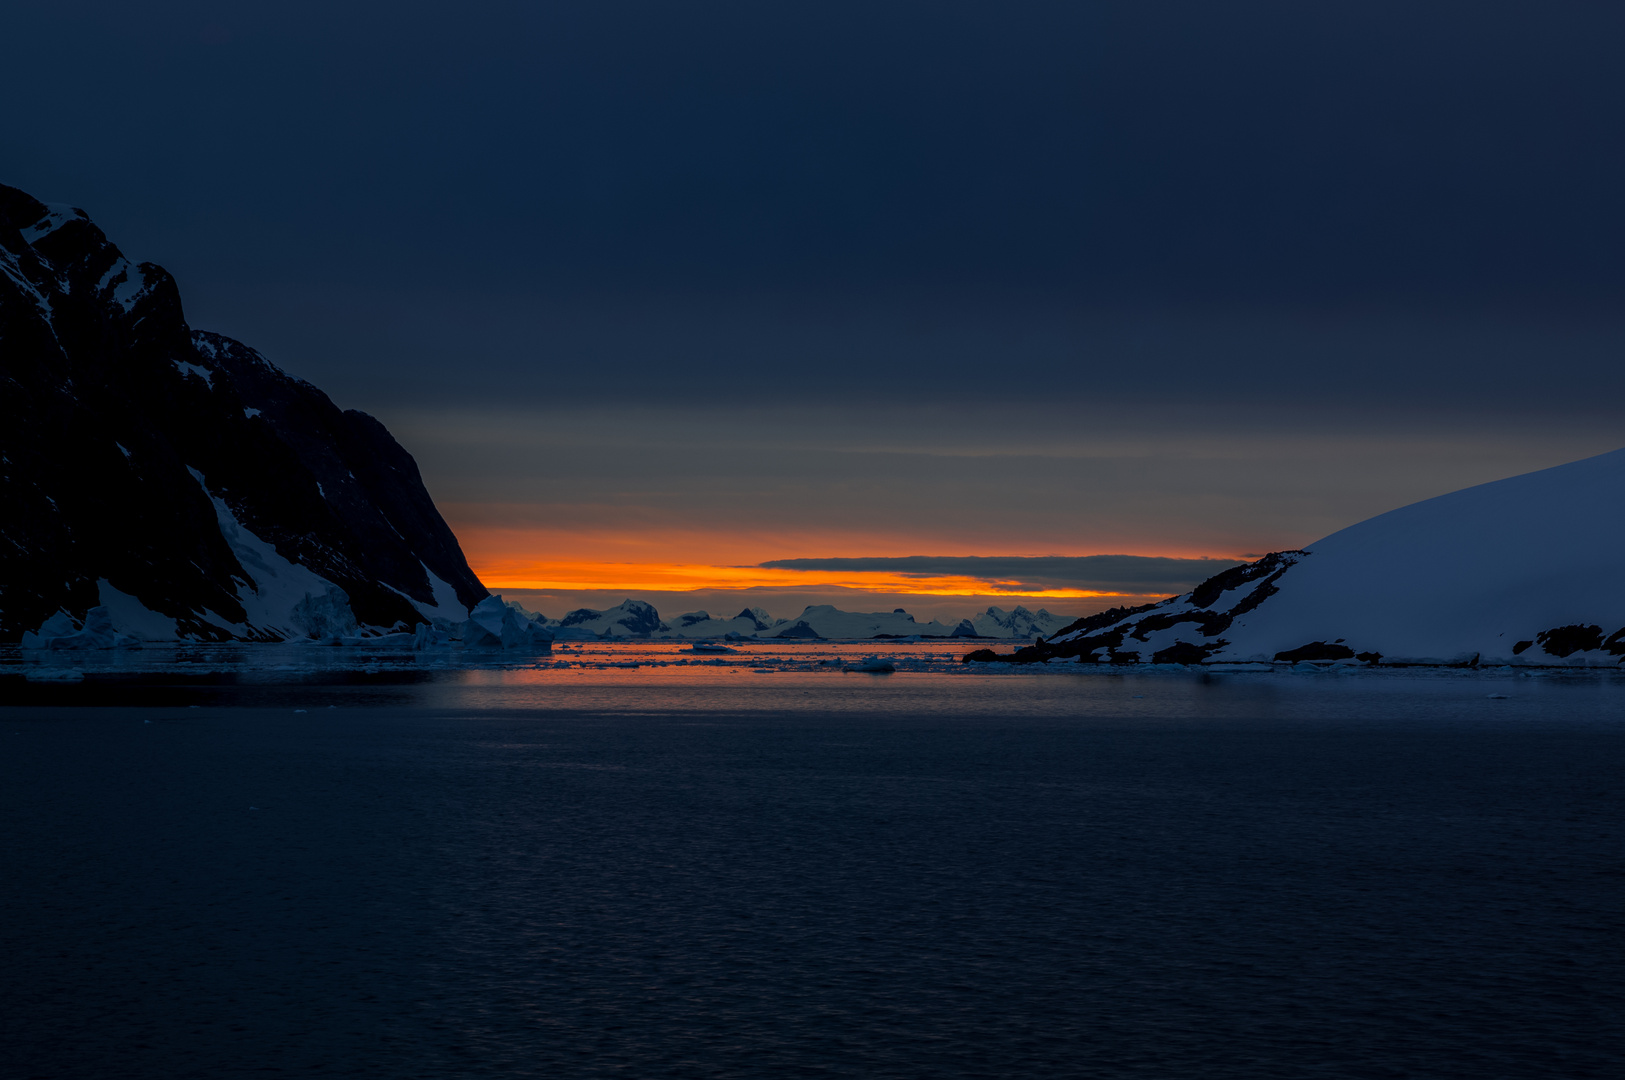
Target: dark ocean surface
<point x="688" y="873"/>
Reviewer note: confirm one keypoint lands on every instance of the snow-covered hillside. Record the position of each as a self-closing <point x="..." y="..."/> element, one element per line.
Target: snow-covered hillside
<point x="1526" y="570"/>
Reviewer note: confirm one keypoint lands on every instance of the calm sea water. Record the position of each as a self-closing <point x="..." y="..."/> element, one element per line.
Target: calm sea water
<point x="785" y="870"/>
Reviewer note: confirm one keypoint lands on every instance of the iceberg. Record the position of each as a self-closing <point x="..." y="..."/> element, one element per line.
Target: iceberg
<point x="426" y="637"/>
<point x="493" y="624"/>
<point x="62" y="632"/>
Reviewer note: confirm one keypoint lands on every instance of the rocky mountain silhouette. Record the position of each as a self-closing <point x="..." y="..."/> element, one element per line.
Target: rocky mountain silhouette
<point x="180" y="479"/>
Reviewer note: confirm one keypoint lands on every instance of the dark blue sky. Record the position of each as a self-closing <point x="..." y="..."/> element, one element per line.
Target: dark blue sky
<point x="1144" y="151"/>
<point x="1246" y="220"/>
<point x="1418" y="159"/>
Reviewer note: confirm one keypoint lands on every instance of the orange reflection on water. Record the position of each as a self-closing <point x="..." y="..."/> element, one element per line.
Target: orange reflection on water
<point x="665" y="677"/>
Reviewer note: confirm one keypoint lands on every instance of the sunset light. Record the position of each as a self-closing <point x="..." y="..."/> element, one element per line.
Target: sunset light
<point x="683" y="577"/>
<point x="887" y="539"/>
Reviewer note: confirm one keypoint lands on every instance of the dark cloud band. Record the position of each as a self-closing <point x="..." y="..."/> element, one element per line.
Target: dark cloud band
<point x="1105" y="572"/>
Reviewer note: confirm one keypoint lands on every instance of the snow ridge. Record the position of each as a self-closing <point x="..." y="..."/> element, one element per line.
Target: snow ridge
<point x="1521" y="571"/>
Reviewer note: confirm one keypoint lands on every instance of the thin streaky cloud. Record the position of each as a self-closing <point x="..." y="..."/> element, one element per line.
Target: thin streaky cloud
<point x="1075" y="570"/>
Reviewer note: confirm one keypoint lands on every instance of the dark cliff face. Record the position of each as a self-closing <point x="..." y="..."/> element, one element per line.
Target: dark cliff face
<point x="109" y="402"/>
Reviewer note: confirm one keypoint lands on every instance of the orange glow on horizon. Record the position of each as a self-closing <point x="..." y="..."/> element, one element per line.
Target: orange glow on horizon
<point x="695" y="577"/>
<point x="608" y="554"/>
<point x="503" y="550"/>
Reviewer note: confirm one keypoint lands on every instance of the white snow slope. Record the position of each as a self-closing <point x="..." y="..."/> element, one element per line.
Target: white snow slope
<point x="1527" y="570"/>
<point x="283" y="600"/>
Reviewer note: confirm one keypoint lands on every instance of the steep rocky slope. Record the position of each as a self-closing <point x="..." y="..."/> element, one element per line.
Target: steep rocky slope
<point x="179" y="478"/>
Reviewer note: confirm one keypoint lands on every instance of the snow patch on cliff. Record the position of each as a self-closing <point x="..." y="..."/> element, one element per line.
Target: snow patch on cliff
<point x="194" y="370"/>
<point x="446" y="606"/>
<point x="132" y="617"/>
<point x="282" y="599"/>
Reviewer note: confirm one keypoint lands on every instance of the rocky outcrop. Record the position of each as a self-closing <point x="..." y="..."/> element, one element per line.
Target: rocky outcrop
<point x="179" y="478"/>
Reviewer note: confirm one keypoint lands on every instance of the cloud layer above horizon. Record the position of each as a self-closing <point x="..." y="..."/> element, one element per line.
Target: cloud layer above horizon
<point x="728" y="284"/>
<point x="1035" y="572"/>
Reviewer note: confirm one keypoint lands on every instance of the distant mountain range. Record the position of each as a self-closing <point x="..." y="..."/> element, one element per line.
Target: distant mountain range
<point x="638" y="619"/>
<point x="178" y="479"/>
<point x="1526" y="570"/>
